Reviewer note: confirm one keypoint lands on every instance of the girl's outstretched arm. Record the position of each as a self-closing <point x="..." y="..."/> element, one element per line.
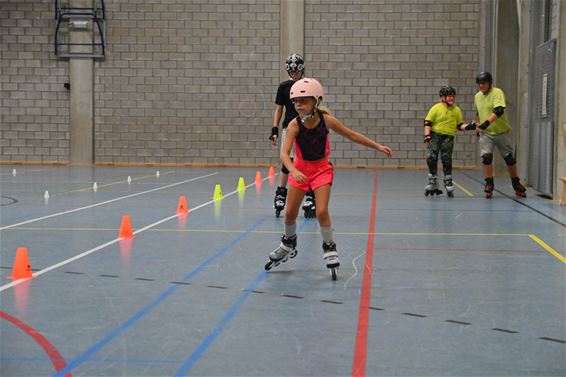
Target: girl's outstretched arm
<point x="338" y="127"/>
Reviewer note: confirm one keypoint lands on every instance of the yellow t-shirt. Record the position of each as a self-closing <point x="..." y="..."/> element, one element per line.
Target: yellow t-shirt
<point x="445" y="119"/>
<point x="485" y="104"/>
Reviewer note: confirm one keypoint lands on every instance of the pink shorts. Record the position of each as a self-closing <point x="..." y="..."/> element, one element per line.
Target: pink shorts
<point x="318" y="174"/>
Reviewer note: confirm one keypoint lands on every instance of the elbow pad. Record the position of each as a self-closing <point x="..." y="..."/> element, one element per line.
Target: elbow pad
<point x="427" y="123"/>
<point x="499" y="111"/>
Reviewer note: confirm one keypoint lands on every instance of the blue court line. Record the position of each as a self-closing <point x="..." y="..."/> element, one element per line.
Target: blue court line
<point x="136" y="317"/>
<point x="187" y="365"/>
<point x="191" y="361"/>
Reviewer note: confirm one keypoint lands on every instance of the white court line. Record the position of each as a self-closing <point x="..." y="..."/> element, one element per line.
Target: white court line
<point x="100" y="247"/>
<point x="106" y="202"/>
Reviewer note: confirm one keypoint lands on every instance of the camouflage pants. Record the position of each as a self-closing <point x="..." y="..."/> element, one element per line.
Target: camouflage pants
<point x="442" y="145"/>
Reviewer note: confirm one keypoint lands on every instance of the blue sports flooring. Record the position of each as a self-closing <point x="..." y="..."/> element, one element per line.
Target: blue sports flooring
<point x="462" y="286"/>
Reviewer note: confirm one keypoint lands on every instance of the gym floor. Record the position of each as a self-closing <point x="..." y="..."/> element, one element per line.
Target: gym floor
<point x="428" y="286"/>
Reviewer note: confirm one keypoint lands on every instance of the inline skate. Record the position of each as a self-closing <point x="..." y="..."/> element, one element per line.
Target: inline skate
<point x="279" y="201"/>
<point x="489" y="187"/>
<point x="432" y="187"/>
<point x="309" y="206"/>
<point x="449" y="186"/>
<point x="287" y="249"/>
<point x="331" y="258"/>
<point x="520" y="190"/>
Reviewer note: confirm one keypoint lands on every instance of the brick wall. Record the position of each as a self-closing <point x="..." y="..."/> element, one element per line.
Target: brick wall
<point x="188" y="82"/>
<point x="34" y="105"/>
<point x="193" y="81"/>
<point x="382" y="63"/>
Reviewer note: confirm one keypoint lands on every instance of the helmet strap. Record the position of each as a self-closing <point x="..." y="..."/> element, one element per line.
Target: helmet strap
<point x="308" y="116"/>
<point x="311" y="115"/>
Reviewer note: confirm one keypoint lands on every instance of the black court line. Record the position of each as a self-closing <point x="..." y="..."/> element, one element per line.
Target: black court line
<point x="553" y="340"/>
<point x="521" y="202"/>
<point x="331" y="302"/>
<point x="415" y="315"/>
<point x="291" y="296"/>
<point x="505" y="331"/>
<point x="458" y="322"/>
<point x="325" y="301"/>
<point x="11" y="200"/>
<point x="217" y="286"/>
<point x="254" y="291"/>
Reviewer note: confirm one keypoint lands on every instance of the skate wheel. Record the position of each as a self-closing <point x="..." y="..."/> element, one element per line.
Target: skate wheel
<point x="268" y="266"/>
<point x="426" y="193"/>
<point x="277" y="213"/>
<point x="293" y="254"/>
<point x="334" y="273"/>
<point x="450" y="194"/>
<point x="310" y="214"/>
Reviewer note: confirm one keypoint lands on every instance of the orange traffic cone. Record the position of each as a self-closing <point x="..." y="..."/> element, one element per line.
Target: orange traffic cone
<point x="126" y="228"/>
<point x="182" y="206"/>
<point x="257" y="177"/>
<point x="271" y="172"/>
<point x="22" y="268"/>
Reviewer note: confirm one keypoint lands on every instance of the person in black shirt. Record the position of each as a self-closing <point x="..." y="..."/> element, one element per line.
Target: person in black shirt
<point x="295" y="67"/>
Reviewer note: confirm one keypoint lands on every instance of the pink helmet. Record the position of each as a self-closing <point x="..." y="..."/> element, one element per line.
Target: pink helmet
<point x="307" y="87"/>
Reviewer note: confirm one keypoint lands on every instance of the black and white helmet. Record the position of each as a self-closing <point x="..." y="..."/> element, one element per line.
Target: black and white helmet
<point x="295" y="63"/>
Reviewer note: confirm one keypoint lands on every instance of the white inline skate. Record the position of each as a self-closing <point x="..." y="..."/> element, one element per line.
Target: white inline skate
<point x="449" y="186"/>
<point x="432" y="187"/>
<point x="287" y="249"/>
<point x="309" y="206"/>
<point x="331" y="258"/>
<point x="279" y="201"/>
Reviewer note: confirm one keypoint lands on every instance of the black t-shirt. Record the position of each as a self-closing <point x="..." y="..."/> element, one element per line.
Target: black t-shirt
<point x="282" y="99"/>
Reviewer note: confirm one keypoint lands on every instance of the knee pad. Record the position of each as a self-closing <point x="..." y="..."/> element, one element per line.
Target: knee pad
<point x="431" y="157"/>
<point x="284" y="170"/>
<point x="510" y="160"/>
<point x="487" y="158"/>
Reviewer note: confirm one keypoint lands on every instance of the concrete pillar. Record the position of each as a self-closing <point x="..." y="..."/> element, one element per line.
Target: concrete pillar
<point x="523" y="100"/>
<point x="506" y="74"/>
<point x="292" y="31"/>
<point x="81" y="78"/>
<point x="560" y="133"/>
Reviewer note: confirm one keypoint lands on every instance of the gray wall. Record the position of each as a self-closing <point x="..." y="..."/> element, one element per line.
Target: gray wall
<point x="194" y="81"/>
<point x="34" y="105"/>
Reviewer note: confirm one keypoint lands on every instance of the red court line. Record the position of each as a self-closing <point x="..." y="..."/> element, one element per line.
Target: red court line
<point x="360" y="350"/>
<point x="49" y="348"/>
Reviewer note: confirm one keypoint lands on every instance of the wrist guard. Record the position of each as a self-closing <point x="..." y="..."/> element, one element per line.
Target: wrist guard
<point x="471" y="126"/>
<point x="484" y="125"/>
<point x="427" y="139"/>
<point x="274" y="133"/>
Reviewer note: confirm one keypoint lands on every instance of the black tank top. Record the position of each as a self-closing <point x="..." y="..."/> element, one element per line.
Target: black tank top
<point x="312" y="142"/>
